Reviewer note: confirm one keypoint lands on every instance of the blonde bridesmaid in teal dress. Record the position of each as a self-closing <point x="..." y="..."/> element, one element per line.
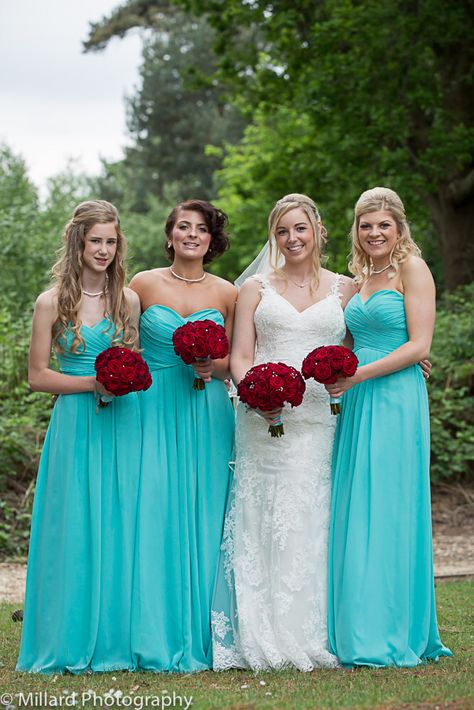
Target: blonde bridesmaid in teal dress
<point x="79" y="582"/>
<point x="187" y="448"/>
<point x="381" y="607"/>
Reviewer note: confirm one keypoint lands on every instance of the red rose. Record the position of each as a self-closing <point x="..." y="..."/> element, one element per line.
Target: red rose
<point x="114" y="367"/>
<point x="276" y="400"/>
<point x="349" y="367"/>
<point x="200" y="350"/>
<point x="322" y="372"/>
<point x="272" y="385"/>
<point x="276" y="382"/>
<point x="187" y="339"/>
<point x="336" y="362"/>
<point x="198" y="340"/>
<point x="121" y="371"/>
<point x="325" y="364"/>
<point x="128" y="372"/>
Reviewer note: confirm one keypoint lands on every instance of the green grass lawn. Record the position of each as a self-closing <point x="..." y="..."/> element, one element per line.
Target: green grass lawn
<point x="447" y="684"/>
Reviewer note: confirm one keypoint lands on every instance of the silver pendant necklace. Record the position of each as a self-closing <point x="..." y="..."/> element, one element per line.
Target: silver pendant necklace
<point x="92" y="295"/>
<point x="305" y="283"/>
<point x="301" y="285"/>
<point x="188" y="281"/>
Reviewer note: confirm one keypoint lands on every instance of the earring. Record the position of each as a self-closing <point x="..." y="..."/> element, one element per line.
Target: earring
<point x="168" y="244"/>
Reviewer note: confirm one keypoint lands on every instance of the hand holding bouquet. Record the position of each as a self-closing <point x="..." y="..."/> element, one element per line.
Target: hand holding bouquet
<point x="270" y="386"/>
<point x="200" y="340"/>
<point x="326" y="364"/>
<point x="121" y="371"/>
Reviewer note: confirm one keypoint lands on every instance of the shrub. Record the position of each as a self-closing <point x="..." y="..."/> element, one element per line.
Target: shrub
<point x="451" y="388"/>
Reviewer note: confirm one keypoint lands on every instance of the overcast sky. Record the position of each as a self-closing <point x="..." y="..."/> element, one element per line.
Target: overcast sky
<point x="55" y="101"/>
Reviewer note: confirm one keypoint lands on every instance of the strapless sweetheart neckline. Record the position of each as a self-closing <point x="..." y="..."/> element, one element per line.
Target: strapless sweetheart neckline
<point x="168" y="308"/>
<point x="375" y="293"/>
<point x="91" y="327"/>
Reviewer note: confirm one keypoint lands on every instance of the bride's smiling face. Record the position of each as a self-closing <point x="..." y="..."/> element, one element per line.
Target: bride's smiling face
<point x="295" y="236"/>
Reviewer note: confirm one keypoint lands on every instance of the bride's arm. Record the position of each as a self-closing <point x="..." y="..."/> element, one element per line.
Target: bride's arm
<point x="348" y="289"/>
<point x="244" y="337"/>
<point x="243" y="343"/>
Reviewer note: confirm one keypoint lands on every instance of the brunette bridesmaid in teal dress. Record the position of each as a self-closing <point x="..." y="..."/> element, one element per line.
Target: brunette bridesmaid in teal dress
<point x="79" y="583"/>
<point x="187" y="448"/>
<point x="381" y="608"/>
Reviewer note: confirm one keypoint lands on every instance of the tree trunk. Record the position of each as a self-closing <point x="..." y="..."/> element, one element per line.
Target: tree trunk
<point x="453" y="218"/>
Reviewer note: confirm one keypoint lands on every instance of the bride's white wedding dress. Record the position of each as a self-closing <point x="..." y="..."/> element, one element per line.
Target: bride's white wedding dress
<point x="269" y="607"/>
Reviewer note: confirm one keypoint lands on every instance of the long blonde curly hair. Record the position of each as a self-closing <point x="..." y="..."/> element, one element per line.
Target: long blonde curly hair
<point x="375" y="200"/>
<point x="67" y="272"/>
<point x="285" y="204"/>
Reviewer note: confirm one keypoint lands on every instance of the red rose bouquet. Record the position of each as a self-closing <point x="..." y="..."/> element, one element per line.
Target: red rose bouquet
<point x="200" y="340"/>
<point x="121" y="371"/>
<point x="270" y="386"/>
<point x="326" y="364"/>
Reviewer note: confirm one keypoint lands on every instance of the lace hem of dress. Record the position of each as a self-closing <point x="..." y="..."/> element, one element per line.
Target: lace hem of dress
<point x="228" y="656"/>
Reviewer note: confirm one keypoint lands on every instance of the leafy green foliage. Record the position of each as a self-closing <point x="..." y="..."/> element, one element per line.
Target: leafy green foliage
<point x="383" y="88"/>
<point x="29" y="236"/>
<point x="252" y="179"/>
<point x="23" y="421"/>
<point x="29" y="232"/>
<point x="174" y="115"/>
<point x="451" y="388"/>
<point x="145" y="235"/>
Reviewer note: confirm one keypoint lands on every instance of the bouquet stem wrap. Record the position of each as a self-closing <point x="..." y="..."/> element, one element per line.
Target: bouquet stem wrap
<point x="276" y="428"/>
<point x="335" y="404"/>
<point x="199" y="383"/>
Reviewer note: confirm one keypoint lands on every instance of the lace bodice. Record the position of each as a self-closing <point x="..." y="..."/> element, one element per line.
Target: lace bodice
<point x="289" y="335"/>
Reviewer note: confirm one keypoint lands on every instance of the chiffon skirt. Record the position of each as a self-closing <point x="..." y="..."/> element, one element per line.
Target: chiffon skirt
<point x="77" y="614"/>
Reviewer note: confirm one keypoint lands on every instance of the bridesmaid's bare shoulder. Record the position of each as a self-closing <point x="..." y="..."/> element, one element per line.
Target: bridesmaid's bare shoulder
<point x="47" y="301"/>
<point x="147" y="278"/>
<point x="225" y="287"/>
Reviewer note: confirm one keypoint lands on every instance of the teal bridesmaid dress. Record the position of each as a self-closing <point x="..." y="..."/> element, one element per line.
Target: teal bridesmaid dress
<point x="187" y="447"/>
<point x="381" y="606"/>
<point x="77" y="612"/>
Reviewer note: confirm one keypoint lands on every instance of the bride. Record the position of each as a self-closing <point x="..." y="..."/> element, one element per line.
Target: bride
<point x="269" y="606"/>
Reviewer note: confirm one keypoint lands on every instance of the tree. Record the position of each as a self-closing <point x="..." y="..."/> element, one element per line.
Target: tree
<point x="23" y="262"/>
<point x="176" y="113"/>
<point x="386" y="88"/>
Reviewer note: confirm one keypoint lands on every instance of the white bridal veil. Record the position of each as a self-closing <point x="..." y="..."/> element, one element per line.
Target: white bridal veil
<point x="260" y="265"/>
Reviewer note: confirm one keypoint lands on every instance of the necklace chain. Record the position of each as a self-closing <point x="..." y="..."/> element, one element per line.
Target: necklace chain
<point x="99" y="293"/>
<point x="301" y="285"/>
<point x="379" y="271"/>
<point x="188" y="281"/>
